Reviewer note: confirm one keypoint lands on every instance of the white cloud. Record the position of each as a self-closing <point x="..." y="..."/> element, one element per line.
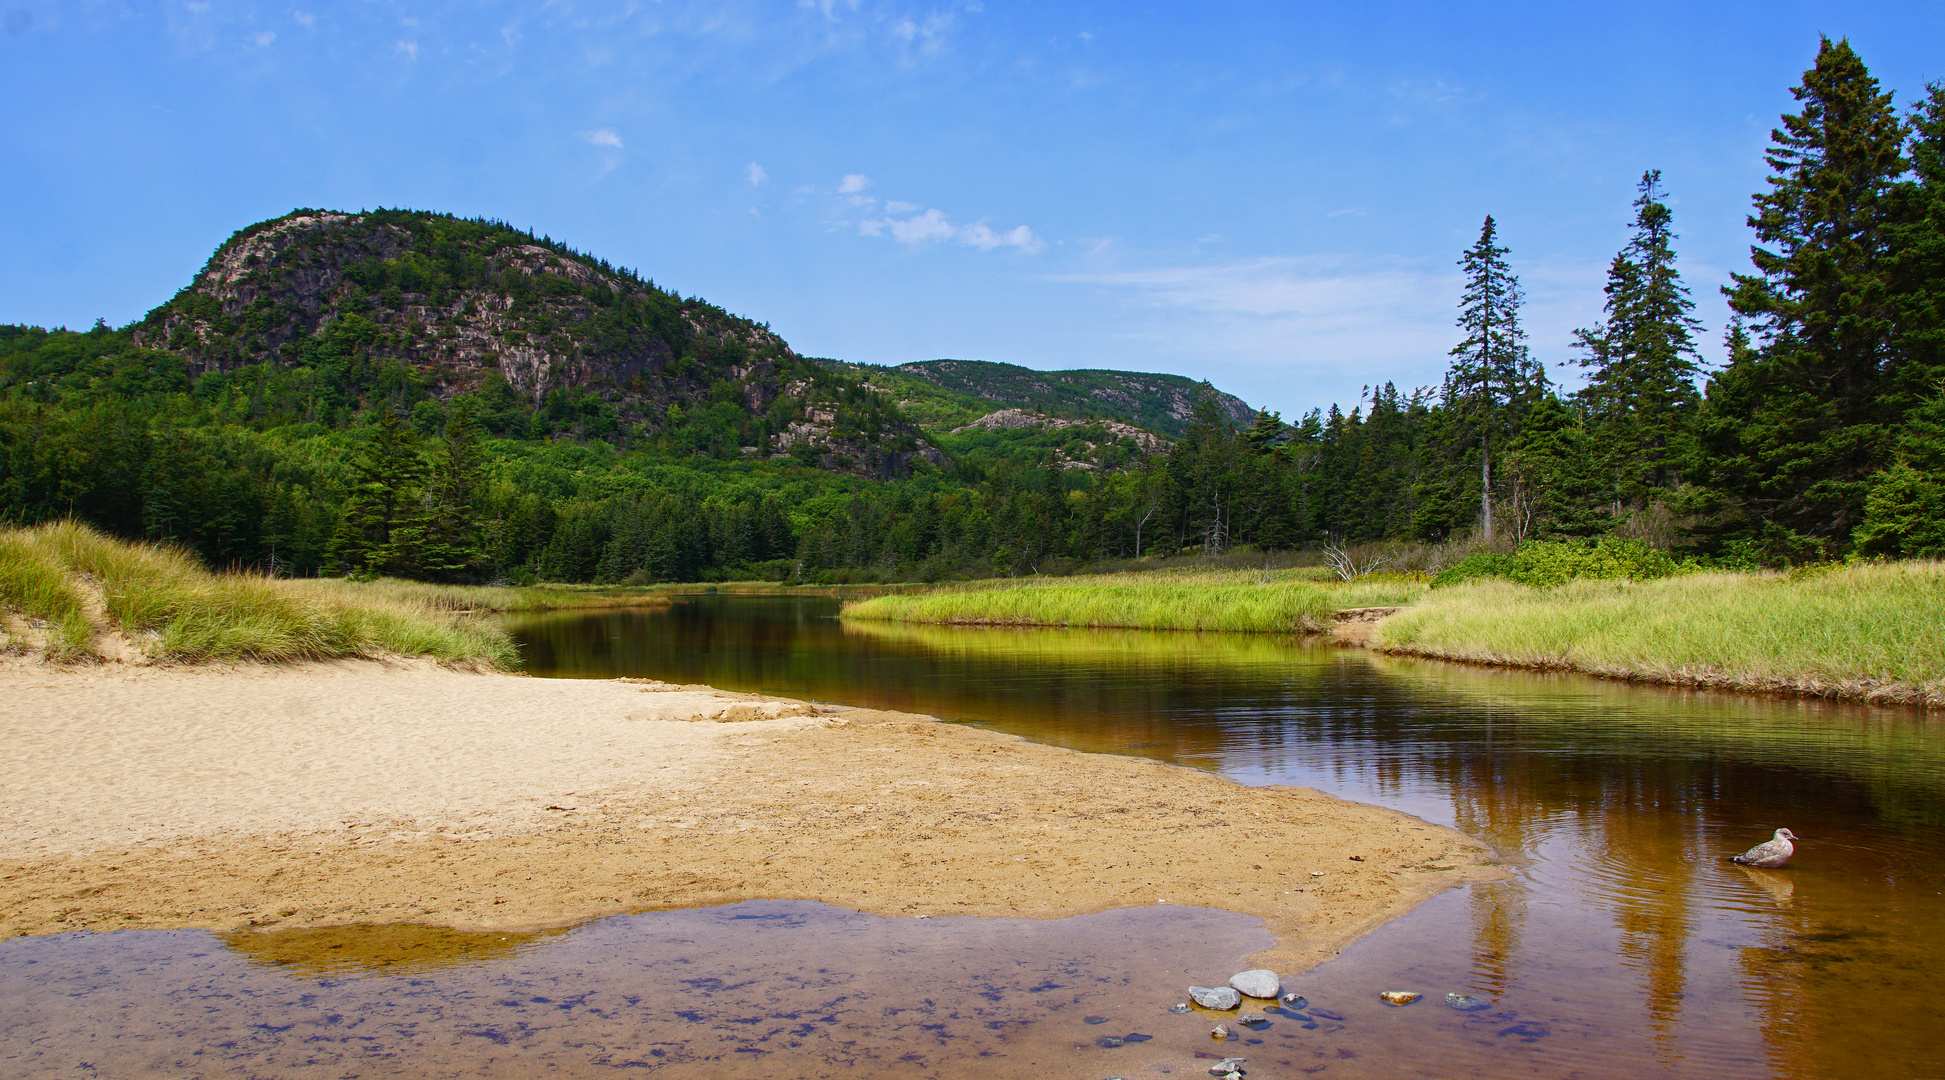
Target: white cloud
<point x="407" y="49"/>
<point x="853" y="183"/>
<point x="1369" y="320"/>
<point x="262" y="38"/>
<point x="894" y="206"/>
<point x="756" y="174"/>
<point x="607" y="137"/>
<point x="304" y="19"/>
<point x="933" y="226"/>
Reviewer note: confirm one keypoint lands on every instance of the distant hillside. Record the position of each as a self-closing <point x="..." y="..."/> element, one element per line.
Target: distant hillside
<point x="395" y="302"/>
<point x="1160" y="403"/>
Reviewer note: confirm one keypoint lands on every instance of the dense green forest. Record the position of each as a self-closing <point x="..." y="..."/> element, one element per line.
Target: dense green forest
<point x="408" y="393"/>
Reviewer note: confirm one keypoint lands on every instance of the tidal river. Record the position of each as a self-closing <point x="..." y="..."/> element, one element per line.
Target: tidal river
<point x="1621" y="945"/>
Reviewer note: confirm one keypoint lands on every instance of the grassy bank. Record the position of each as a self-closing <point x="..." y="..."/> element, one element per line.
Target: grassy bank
<point x="72" y="594"/>
<point x="1860" y="633"/>
<point x="1234" y="600"/>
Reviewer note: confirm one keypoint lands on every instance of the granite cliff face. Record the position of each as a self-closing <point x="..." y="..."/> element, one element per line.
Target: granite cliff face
<point x="456" y="305"/>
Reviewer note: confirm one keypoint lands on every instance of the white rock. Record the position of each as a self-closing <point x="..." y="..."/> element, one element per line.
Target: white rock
<point x="1215" y="997"/>
<point x="1257" y="983"/>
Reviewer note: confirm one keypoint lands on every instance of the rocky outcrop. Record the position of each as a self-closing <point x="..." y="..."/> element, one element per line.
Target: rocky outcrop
<point x="457" y="305"/>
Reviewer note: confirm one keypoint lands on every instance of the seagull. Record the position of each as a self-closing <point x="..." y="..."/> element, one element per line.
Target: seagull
<point x="1771" y="853"/>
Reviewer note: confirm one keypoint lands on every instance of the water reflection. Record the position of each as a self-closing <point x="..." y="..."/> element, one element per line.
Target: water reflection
<point x="1624" y="944"/>
<point x="388" y="949"/>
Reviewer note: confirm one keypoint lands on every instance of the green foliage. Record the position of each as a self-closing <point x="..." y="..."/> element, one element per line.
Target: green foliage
<point x="1642" y="364"/>
<point x="1544" y="563"/>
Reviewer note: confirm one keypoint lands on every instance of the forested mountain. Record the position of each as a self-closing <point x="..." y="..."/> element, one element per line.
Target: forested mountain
<point x="1164" y="404"/>
<point x="409" y="393"/>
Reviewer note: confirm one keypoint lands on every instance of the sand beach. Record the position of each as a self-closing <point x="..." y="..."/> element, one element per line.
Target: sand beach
<point x="321" y="794"/>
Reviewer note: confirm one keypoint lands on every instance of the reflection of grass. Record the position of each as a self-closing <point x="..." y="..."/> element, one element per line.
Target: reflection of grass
<point x="1091" y="647"/>
<point x="1865" y="633"/>
<point x="468" y="598"/>
<point x="163" y="598"/>
<point x="383" y="949"/>
<point x="1239" y="600"/>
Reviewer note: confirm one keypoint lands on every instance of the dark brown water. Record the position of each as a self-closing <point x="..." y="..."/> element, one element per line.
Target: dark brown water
<point x="1622" y="946"/>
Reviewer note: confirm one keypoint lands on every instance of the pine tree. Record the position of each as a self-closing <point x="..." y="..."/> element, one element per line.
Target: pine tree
<point x="1493" y="379"/>
<point x="1801" y="427"/>
<point x="1640" y="395"/>
<point x="376" y="532"/>
<point x="450" y="548"/>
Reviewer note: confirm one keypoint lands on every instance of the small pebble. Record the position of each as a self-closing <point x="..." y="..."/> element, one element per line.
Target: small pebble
<point x="1252" y="1018"/>
<point x="1094" y="1019"/>
<point x="1180" y="1007"/>
<point x="1466" y="1003"/>
<point x="1227" y="1065"/>
<point x="1399" y="998"/>
<point x="1109" y="1042"/>
<point x="1220" y="1032"/>
<point x="1294" y="1001"/>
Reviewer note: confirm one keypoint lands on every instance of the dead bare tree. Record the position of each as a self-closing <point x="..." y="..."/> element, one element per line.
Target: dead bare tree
<point x="1352" y="563"/>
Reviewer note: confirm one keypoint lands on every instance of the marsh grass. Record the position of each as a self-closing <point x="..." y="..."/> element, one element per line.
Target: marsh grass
<point x="163" y="600"/>
<point x="1869" y="632"/>
<point x="1228" y="600"/>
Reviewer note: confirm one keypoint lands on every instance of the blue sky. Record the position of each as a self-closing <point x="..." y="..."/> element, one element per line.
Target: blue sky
<point x="1268" y="196"/>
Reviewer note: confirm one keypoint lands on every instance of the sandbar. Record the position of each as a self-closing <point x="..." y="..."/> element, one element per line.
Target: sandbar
<point x="353" y="792"/>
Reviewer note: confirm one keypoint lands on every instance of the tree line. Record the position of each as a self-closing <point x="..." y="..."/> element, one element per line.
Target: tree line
<point x="1823" y="434"/>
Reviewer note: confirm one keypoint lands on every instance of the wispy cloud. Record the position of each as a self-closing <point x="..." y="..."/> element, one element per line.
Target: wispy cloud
<point x="933" y="226"/>
<point x="304" y="19"/>
<point x="262" y="38"/>
<point x="407" y="49"/>
<point x="756" y="174"/>
<point x="1390" y="319"/>
<point x="604" y="137"/>
<point x="853" y="183"/>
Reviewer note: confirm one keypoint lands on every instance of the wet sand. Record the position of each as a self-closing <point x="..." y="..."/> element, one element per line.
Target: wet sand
<point x="361" y="792"/>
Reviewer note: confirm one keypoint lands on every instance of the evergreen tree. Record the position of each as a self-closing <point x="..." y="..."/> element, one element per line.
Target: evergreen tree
<point x="382" y="520"/>
<point x="1493" y="379"/>
<point x="1801" y="426"/>
<point x="450" y="548"/>
<point x="1640" y="395"/>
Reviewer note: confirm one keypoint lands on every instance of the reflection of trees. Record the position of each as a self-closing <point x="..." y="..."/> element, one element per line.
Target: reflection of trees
<point x="1630" y="790"/>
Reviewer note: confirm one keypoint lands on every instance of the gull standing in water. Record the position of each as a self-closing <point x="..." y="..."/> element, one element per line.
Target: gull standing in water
<point x="1771" y="853"/>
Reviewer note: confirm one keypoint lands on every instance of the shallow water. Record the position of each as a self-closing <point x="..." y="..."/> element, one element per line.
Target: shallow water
<point x="1623" y="945"/>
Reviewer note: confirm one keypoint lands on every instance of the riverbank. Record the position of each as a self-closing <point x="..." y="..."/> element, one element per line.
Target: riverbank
<point x="1231" y="600"/>
<point x="359" y="791"/>
<point x="1865" y="633"/>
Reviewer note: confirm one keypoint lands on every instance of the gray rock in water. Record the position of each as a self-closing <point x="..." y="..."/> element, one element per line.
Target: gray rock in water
<point x="1227" y="1065"/>
<point x="1257" y="982"/>
<point x="1252" y="1018"/>
<point x="1180" y="1007"/>
<point x="1220" y="1033"/>
<point x="1109" y="1042"/>
<point x="1215" y="997"/>
<point x="1465" y="1003"/>
<point x="1294" y="1001"/>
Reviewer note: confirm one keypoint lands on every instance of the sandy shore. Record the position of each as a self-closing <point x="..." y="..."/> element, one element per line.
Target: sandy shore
<point x="360" y="792"/>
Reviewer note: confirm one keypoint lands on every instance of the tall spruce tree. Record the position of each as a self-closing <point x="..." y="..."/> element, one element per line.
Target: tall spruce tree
<point x="1493" y="379"/>
<point x="383" y="521"/>
<point x="1641" y="396"/>
<point x="1799" y="428"/>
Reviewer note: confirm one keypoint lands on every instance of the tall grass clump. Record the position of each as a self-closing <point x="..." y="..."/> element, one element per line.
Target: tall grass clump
<point x="170" y="607"/>
<point x="1868" y="632"/>
<point x="32" y="585"/>
<point x="1247" y="601"/>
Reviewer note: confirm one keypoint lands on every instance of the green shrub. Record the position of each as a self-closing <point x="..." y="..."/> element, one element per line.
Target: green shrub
<point x="1544" y="563"/>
